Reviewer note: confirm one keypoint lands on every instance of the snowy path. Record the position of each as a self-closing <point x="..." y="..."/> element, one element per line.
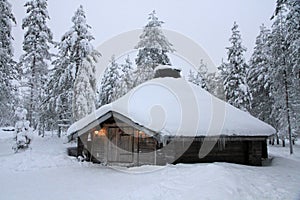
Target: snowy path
<point x="45" y="172"/>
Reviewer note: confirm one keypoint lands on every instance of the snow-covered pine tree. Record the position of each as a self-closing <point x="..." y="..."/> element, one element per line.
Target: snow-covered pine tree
<point x="279" y="6"/>
<point x="285" y="77"/>
<point x="192" y="77"/>
<point x="233" y="73"/>
<point x="200" y="76"/>
<point x="80" y="41"/>
<point x="152" y="50"/>
<point x="222" y="71"/>
<point x="215" y="85"/>
<point x="142" y="74"/>
<point x="153" y="45"/>
<point x="36" y="43"/>
<point x="61" y="82"/>
<point x="126" y="77"/>
<point x="258" y="77"/>
<point x="8" y="69"/>
<point x="84" y="98"/>
<point x="58" y="101"/>
<point x="109" y="83"/>
<point x="74" y="50"/>
<point x="279" y="113"/>
<point x="293" y="53"/>
<point x="82" y="57"/>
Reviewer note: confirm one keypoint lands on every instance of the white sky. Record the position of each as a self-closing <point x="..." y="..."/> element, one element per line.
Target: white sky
<point x="206" y="22"/>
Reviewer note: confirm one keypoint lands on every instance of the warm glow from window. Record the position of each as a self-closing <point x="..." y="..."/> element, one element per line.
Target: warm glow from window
<point x="101" y="132"/>
<point x="142" y="134"/>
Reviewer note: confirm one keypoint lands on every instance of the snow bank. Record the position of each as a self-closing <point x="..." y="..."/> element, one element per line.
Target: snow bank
<point x="176" y="107"/>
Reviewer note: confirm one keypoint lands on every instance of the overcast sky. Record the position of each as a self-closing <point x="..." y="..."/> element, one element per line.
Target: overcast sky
<point x="206" y="22"/>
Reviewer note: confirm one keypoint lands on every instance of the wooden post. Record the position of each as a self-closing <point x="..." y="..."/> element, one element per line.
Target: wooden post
<point x="138" y="148"/>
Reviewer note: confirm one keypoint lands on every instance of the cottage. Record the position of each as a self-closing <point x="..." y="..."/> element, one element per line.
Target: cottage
<point x="168" y="120"/>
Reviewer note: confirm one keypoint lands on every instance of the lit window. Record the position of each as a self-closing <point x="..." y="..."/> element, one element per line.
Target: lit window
<point x="101" y="132"/>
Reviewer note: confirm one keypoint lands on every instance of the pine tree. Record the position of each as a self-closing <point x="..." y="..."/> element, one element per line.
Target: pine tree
<point x="259" y="77"/>
<point x="79" y="39"/>
<point x="285" y="69"/>
<point x="215" y="85"/>
<point x="36" y="43"/>
<point x="280" y="4"/>
<point x="79" y="66"/>
<point x="200" y="76"/>
<point x="277" y="42"/>
<point x="8" y="69"/>
<point x="192" y="77"/>
<point x="84" y="90"/>
<point x="233" y="73"/>
<point x="109" y="83"/>
<point x="58" y="102"/>
<point x="153" y="45"/>
<point x="293" y="60"/>
<point x="76" y="56"/>
<point x="126" y="77"/>
<point x="152" y="50"/>
<point x="142" y="74"/>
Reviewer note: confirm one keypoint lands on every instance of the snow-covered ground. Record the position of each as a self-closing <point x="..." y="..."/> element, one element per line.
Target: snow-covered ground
<point x="46" y="172"/>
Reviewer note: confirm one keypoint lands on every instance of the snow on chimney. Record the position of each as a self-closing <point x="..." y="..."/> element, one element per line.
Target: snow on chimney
<point x="162" y="71"/>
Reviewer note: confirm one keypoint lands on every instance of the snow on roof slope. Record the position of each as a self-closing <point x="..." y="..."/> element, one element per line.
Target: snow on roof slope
<point x="176" y="107"/>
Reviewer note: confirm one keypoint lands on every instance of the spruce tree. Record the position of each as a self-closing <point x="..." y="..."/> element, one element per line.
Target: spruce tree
<point x="109" y="83"/>
<point x="74" y="68"/>
<point x="142" y="74"/>
<point x="280" y="112"/>
<point x="8" y="69"/>
<point x="76" y="64"/>
<point x="200" y="76"/>
<point x="126" y="77"/>
<point x="293" y="60"/>
<point x="36" y="45"/>
<point x="58" y="101"/>
<point x="80" y="41"/>
<point x="233" y="73"/>
<point x="215" y="85"/>
<point x="259" y="77"/>
<point x="153" y="45"/>
<point x="152" y="50"/>
<point x="285" y="69"/>
<point x="84" y="90"/>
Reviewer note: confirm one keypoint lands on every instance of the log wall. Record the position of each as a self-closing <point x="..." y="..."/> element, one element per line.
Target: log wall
<point x="181" y="150"/>
<point x="248" y="152"/>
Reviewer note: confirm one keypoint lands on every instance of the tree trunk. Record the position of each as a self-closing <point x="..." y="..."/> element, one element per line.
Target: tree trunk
<point x="277" y="139"/>
<point x="59" y="132"/>
<point x="288" y="111"/>
<point x="31" y="98"/>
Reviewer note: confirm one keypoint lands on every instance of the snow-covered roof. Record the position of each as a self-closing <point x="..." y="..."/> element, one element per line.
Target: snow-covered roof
<point x="173" y="106"/>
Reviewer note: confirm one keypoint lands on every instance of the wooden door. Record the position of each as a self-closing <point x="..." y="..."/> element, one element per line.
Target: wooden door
<point x="125" y="149"/>
<point x="120" y="146"/>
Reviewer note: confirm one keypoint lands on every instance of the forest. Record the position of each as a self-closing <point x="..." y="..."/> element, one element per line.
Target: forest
<point x="57" y="89"/>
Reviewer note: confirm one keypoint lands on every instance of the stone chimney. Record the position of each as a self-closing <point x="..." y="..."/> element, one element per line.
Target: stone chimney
<point x="162" y="71"/>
